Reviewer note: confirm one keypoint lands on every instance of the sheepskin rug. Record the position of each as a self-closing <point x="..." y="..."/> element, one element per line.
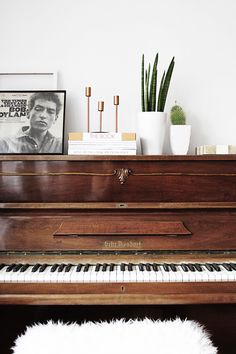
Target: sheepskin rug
<point x="132" y="337"/>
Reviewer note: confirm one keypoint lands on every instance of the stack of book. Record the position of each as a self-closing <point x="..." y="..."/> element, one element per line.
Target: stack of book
<point x="102" y="144"/>
<point x="215" y="149"/>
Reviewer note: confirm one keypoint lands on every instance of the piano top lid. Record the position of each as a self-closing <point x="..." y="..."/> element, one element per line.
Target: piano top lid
<point x="8" y="157"/>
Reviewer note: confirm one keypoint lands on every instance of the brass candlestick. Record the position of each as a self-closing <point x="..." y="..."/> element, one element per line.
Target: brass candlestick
<point x="88" y="95"/>
<point x="100" y="109"/>
<point x="116" y="103"/>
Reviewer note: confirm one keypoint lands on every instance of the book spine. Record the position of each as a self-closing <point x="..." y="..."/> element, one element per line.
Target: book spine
<point x="101" y="152"/>
<point x="92" y="137"/>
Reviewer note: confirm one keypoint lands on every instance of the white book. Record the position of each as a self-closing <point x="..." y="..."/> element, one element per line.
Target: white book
<point x="101" y="152"/>
<point x="110" y="136"/>
<point x="215" y="149"/>
<point x="101" y="146"/>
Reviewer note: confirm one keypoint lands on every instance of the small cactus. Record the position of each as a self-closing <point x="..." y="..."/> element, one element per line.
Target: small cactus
<point x="177" y="115"/>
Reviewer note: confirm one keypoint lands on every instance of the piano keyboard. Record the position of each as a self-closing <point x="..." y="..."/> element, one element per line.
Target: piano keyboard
<point x="115" y="273"/>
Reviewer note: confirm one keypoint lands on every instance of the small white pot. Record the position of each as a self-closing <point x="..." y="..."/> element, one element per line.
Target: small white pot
<point x="151" y="129"/>
<point x="180" y="139"/>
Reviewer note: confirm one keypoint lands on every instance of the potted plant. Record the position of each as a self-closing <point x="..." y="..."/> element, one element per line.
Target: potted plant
<point x="152" y="119"/>
<point x="179" y="132"/>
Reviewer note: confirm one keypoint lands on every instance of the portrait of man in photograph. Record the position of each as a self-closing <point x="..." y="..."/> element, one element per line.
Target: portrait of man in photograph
<point x="35" y="137"/>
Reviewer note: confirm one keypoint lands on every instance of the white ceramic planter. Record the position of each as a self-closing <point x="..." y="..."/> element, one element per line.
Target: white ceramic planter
<point x="180" y="139"/>
<point x="151" y="129"/>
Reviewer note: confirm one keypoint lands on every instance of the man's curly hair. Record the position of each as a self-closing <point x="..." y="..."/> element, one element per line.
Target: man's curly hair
<point x="48" y="96"/>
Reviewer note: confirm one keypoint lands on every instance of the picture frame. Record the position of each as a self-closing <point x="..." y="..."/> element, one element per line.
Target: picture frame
<point x="32" y="122"/>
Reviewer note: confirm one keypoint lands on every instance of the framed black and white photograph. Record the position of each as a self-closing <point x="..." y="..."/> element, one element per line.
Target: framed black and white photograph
<point x="32" y="122"/>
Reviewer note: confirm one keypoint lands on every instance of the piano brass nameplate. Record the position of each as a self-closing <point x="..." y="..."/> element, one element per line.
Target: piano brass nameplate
<point x="123" y="244"/>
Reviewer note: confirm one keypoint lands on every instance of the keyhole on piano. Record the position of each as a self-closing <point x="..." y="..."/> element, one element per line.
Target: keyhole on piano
<point x="123" y="289"/>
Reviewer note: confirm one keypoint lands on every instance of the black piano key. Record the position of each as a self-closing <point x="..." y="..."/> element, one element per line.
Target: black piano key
<point x="68" y="268"/>
<point x="86" y="267"/>
<point x="61" y="268"/>
<point x="10" y="267"/>
<point x="209" y="267"/>
<point x="104" y="267"/>
<point x="54" y="267"/>
<point x="232" y="265"/>
<point x="97" y="267"/>
<point x="16" y="268"/>
<point x="112" y="267"/>
<point x="184" y="267"/>
<point x="155" y="267"/>
<point x="191" y="267"/>
<point x="216" y="267"/>
<point x="198" y="267"/>
<point x="141" y="267"/>
<point x="43" y="267"/>
<point x="166" y="267"/>
<point x="24" y="267"/>
<point x="79" y="267"/>
<point x="227" y="266"/>
<point x="122" y="267"/>
<point x="130" y="267"/>
<point x="147" y="267"/>
<point x="36" y="267"/>
<point x="173" y="267"/>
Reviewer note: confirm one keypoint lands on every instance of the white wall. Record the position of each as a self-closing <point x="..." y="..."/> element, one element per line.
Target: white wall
<point x="100" y="43"/>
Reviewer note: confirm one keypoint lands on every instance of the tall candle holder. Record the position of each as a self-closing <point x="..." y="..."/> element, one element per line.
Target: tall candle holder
<point x="100" y="109"/>
<point x="116" y="103"/>
<point x="88" y="95"/>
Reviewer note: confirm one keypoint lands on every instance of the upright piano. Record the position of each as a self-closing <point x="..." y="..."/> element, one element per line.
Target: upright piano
<point x="151" y="235"/>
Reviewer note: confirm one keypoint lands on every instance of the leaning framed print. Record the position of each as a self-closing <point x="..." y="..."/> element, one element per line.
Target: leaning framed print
<point x="32" y="122"/>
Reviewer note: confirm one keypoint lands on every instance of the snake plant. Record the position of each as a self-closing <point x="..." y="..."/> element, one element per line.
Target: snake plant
<point x="150" y="103"/>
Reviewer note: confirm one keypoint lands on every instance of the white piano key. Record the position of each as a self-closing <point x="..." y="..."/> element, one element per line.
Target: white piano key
<point x="201" y="276"/>
<point x="3" y="273"/>
<point x="119" y="274"/>
<point x="179" y="274"/>
<point x="139" y="274"/>
<point x="211" y="275"/>
<point x="46" y="276"/>
<point x="87" y="275"/>
<point x="228" y="275"/>
<point x="133" y="274"/>
<point x="165" y="274"/>
<point x="73" y="274"/>
<point x="159" y="275"/>
<point x="126" y="275"/>
<point x="28" y="275"/>
<point x="113" y="276"/>
<point x="93" y="274"/>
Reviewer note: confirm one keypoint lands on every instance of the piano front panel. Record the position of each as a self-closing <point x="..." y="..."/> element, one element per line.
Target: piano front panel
<point x="72" y="179"/>
<point x="50" y="230"/>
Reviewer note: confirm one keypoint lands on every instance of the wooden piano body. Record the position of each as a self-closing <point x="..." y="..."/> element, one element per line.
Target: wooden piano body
<point x="70" y="210"/>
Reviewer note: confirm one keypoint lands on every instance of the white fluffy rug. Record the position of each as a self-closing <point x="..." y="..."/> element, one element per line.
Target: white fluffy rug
<point x="132" y="337"/>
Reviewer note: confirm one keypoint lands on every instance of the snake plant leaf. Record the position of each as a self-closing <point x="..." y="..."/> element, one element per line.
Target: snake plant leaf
<point x="142" y="84"/>
<point x="153" y="85"/>
<point x="147" y="78"/>
<point x="160" y="92"/>
<point x="166" y="84"/>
